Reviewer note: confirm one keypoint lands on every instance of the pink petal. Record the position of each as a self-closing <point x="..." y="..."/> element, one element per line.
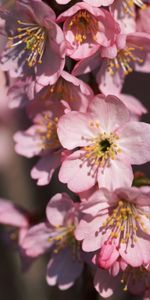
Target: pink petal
<point x="45" y="168"/>
<point x="110" y="112"/>
<point x="72" y="127"/>
<point x="118" y="174"/>
<point x="89" y="233"/>
<point x="138" y="254"/>
<point x="76" y="176"/>
<point x="63" y="269"/>
<point x="135" y="142"/>
<point x="104" y="283"/>
<point x="36" y="241"/>
<point x="11" y="215"/>
<point x="57" y="208"/>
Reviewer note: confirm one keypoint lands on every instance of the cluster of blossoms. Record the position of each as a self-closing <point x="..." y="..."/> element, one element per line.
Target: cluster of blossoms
<point x="66" y="66"/>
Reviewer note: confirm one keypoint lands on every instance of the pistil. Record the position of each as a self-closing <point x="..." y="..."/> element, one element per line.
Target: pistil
<point x="101" y="150"/>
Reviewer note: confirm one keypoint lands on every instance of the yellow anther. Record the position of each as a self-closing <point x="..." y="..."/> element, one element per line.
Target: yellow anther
<point x="84" y="25"/>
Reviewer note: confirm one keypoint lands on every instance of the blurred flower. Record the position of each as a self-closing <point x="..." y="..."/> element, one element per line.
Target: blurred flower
<point x="57" y="236"/>
<point x="134" y="280"/>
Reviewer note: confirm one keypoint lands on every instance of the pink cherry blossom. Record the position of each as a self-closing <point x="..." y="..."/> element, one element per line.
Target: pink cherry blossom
<point x="119" y="226"/>
<point x="68" y="91"/>
<point x="41" y="139"/>
<point x="129" y="52"/>
<point x="33" y="39"/>
<point x="108" y="143"/>
<point x="85" y="28"/>
<point x="57" y="236"/>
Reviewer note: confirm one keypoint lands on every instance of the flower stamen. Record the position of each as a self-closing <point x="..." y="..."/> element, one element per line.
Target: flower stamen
<point x="34" y="37"/>
<point x="48" y="133"/>
<point x="124" y="60"/>
<point x="84" y="25"/>
<point x="101" y="150"/>
<point x="128" y="6"/>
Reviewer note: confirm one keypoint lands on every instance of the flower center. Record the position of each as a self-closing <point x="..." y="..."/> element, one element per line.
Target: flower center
<point x="48" y="133"/>
<point x="63" y="236"/>
<point x="101" y="150"/>
<point x="125" y="58"/>
<point x="123" y="222"/>
<point x="104" y="145"/>
<point x="61" y="90"/>
<point x="84" y="25"/>
<point x="34" y="37"/>
<point x="129" y="4"/>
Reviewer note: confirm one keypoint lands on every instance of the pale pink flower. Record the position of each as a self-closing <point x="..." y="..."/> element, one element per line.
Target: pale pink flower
<point x="129" y="52"/>
<point x="33" y="39"/>
<point x="120" y="222"/>
<point x="41" y="140"/>
<point x="57" y="236"/>
<point x="86" y="28"/>
<point x="108" y="144"/>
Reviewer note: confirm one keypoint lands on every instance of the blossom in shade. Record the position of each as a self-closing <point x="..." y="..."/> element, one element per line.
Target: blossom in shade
<point x="134" y="280"/>
<point x="68" y="91"/>
<point x="119" y="226"/>
<point x="105" y="142"/>
<point x="41" y="140"/>
<point x="13" y="216"/>
<point x="33" y="39"/>
<point x="129" y="52"/>
<point x="57" y="236"/>
<point x="86" y="28"/>
<point x="18" y="92"/>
